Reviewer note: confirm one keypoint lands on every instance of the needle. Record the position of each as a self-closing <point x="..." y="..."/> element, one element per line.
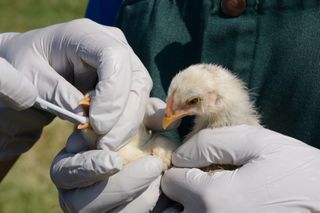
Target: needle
<point x="45" y="105"/>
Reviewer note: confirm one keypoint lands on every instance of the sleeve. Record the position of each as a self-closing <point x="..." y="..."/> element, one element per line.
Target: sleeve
<point x="103" y="12"/>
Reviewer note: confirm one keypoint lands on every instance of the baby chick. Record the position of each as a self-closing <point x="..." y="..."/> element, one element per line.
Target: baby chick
<point x="215" y="96"/>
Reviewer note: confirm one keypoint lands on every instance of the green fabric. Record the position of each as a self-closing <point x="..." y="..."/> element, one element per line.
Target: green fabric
<point x="274" y="46"/>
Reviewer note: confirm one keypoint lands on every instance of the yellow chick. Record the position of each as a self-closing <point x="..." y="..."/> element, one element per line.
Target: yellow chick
<point x="215" y="96"/>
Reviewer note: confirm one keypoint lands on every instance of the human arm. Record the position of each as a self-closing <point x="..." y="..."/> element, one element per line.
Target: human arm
<point x="17" y="92"/>
<point x="278" y="173"/>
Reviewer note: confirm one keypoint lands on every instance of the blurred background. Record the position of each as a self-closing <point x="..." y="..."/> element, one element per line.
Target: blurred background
<point x="28" y="187"/>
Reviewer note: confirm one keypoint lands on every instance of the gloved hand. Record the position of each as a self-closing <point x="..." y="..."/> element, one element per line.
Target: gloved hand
<point x="94" y="180"/>
<point x="90" y="182"/>
<point x="279" y="173"/>
<point x="64" y="61"/>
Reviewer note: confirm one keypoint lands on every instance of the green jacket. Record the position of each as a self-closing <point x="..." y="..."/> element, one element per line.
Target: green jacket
<point x="274" y="46"/>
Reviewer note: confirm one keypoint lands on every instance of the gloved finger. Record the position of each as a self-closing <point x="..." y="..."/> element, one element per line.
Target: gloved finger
<point x="144" y="202"/>
<point x="77" y="143"/>
<point x="15" y="89"/>
<point x="134" y="111"/>
<point x="69" y="170"/>
<point x="196" y="190"/>
<point x="118" y="189"/>
<point x="230" y="145"/>
<point x="154" y="115"/>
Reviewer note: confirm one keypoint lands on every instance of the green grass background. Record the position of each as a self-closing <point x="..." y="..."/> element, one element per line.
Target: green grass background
<point x="27" y="187"/>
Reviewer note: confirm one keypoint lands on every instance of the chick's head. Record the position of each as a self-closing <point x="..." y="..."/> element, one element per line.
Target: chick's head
<point x="210" y="92"/>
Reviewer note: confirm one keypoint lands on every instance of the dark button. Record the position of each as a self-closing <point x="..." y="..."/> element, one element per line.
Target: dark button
<point x="233" y="8"/>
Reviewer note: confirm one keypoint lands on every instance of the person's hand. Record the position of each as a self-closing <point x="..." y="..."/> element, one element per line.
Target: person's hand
<point x="94" y="180"/>
<point x="278" y="173"/>
<point x="63" y="62"/>
<point x="90" y="181"/>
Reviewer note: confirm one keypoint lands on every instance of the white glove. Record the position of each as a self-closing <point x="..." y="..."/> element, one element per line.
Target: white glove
<point x="15" y="89"/>
<point x="279" y="173"/>
<point x="94" y="181"/>
<point x="64" y="61"/>
<point x="101" y="189"/>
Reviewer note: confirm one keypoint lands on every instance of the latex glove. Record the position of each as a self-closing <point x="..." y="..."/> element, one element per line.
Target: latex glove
<point x="15" y="89"/>
<point x="279" y="173"/>
<point x="64" y="61"/>
<point x="94" y="181"/>
<point x="135" y="188"/>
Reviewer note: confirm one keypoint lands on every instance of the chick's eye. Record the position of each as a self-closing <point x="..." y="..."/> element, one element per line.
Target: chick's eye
<point x="193" y="100"/>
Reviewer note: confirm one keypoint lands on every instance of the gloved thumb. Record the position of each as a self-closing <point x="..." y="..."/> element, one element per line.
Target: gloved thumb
<point x="69" y="170"/>
<point x="15" y="89"/>
<point x="154" y="115"/>
<point x="230" y="145"/>
<point x="193" y="188"/>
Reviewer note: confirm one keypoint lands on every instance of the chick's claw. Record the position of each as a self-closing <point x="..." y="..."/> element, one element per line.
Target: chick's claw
<point x="84" y="126"/>
<point x="85" y="104"/>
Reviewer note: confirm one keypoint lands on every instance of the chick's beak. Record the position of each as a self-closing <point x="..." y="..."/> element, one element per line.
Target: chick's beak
<point x="171" y="116"/>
